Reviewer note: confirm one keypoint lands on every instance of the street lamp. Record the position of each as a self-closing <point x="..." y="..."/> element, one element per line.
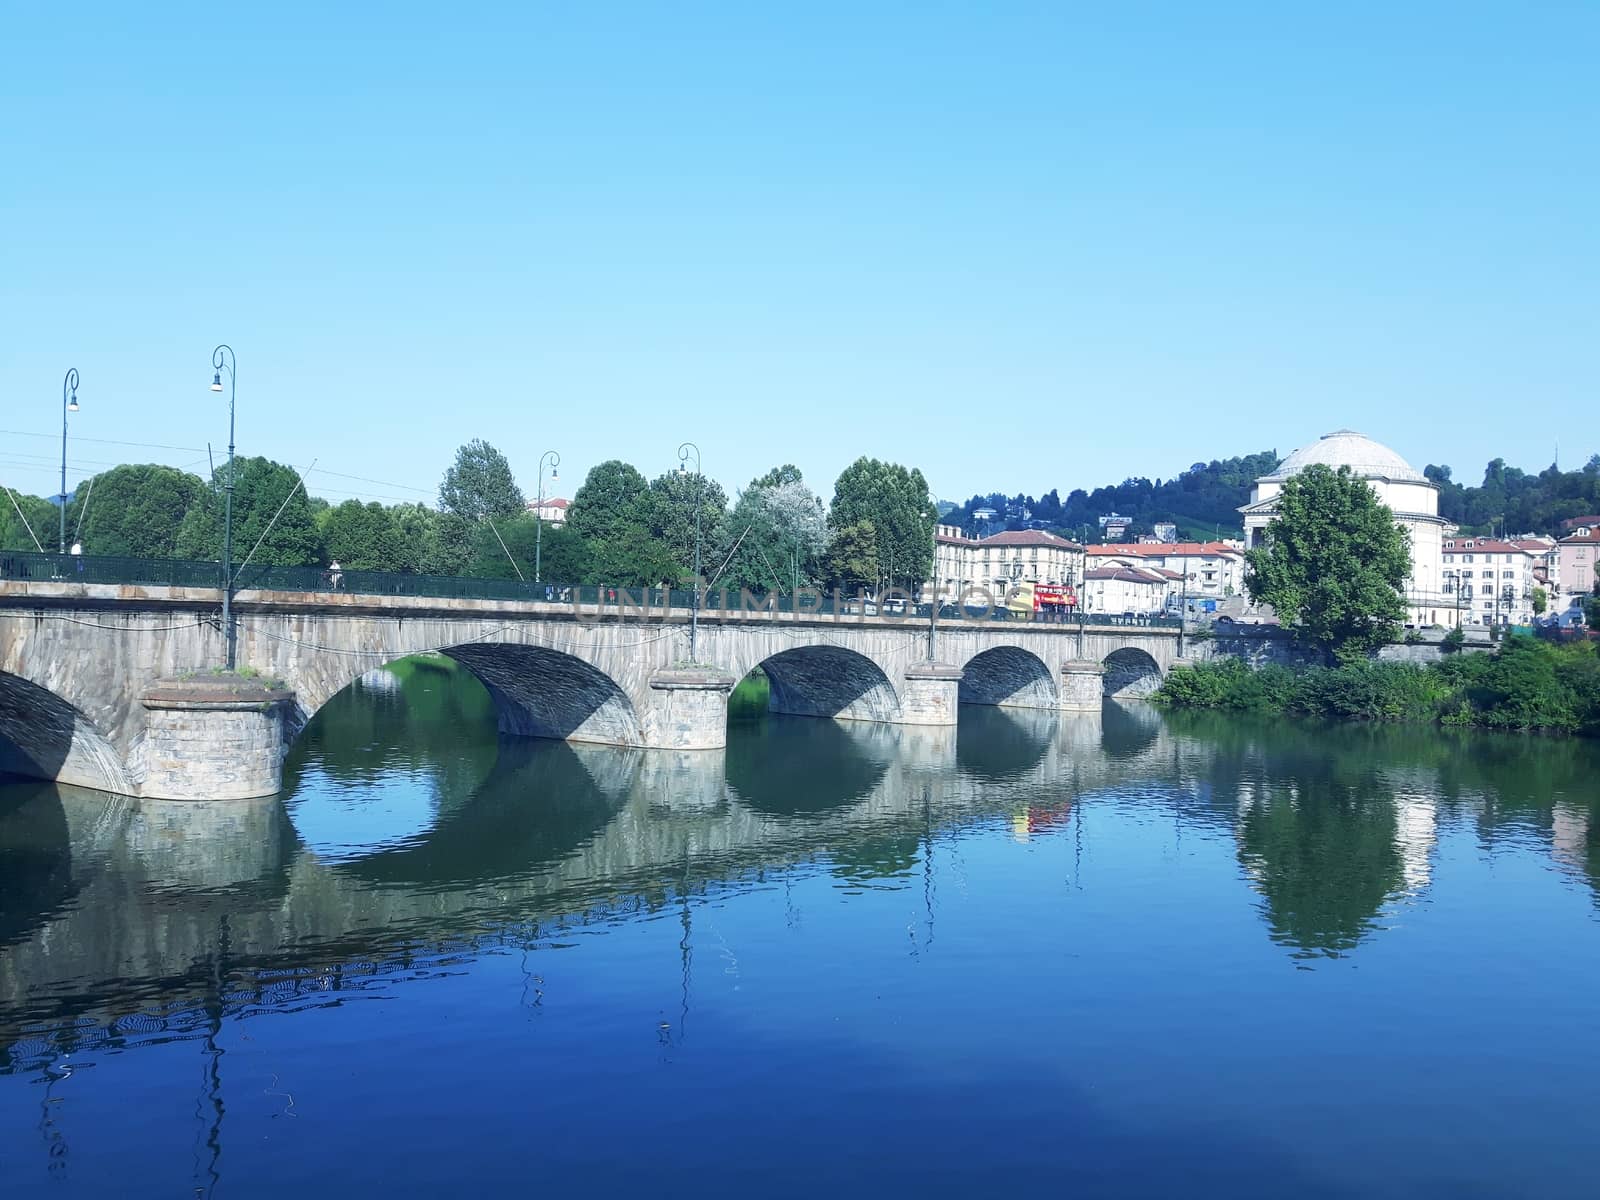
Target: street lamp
<point x="538" y="510"/>
<point x="694" y="609"/>
<point x="69" y="383"/>
<point x="228" y="362"/>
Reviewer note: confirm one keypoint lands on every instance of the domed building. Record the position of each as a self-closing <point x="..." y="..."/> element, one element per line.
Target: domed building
<point x="1410" y="495"/>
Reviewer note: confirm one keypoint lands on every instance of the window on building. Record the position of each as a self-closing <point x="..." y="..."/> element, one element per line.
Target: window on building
<point x="1449" y="558"/>
<point x="1466" y="558"/>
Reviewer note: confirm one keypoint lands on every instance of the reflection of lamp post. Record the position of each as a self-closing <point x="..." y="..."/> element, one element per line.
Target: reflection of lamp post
<point x="694" y="610"/>
<point x="68" y="382"/>
<point x="227" y="362"/>
<point x="538" y="509"/>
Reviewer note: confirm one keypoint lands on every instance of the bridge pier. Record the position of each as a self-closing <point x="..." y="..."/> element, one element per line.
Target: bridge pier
<point x="1082" y="685"/>
<point x="931" y="694"/>
<point x="689" y="709"/>
<point x="214" y="738"/>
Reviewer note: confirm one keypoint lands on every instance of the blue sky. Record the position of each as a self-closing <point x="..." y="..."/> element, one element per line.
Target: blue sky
<point x="1021" y="246"/>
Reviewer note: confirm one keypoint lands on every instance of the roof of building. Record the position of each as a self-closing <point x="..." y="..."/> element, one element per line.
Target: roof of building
<point x="1012" y="537"/>
<point x="1582" y="536"/>
<point x="1163" y="549"/>
<point x="1492" y="546"/>
<point x="1347" y="448"/>
<point x="1144" y="575"/>
<point x="1029" y="537"/>
<point x="549" y="502"/>
<point x="1574" y="522"/>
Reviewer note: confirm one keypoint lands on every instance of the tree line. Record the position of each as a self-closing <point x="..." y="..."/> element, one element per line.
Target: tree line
<point x="1206" y="498"/>
<point x="1201" y="501"/>
<point x="621" y="529"/>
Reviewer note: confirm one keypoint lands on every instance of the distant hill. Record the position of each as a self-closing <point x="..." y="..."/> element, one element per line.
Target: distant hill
<point x="1203" y="502"/>
<point x="1512" y="500"/>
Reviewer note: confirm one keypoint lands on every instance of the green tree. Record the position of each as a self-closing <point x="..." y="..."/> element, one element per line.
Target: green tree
<point x="674" y="497"/>
<point x="563" y="555"/>
<point x="364" y="537"/>
<point x="852" y="557"/>
<point x="778" y="530"/>
<point x="613" y="504"/>
<point x="479" y="484"/>
<point x="133" y="511"/>
<point x="612" y="513"/>
<point x="1334" y="562"/>
<point x="263" y="489"/>
<point x="893" y="500"/>
<point x="40" y="514"/>
<point x="1541" y="601"/>
<point x="422" y="540"/>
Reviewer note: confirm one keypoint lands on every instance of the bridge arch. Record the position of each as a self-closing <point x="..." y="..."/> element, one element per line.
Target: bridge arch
<point x="540" y="692"/>
<point x="1009" y="676"/>
<point x="828" y="681"/>
<point x="44" y="736"/>
<point x="1131" y="673"/>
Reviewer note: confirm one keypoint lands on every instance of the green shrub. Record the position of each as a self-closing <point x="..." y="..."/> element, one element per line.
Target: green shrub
<point x="1528" y="685"/>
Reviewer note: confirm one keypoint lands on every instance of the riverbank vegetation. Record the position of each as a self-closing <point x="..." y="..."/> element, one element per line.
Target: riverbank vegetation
<point x="1528" y="685"/>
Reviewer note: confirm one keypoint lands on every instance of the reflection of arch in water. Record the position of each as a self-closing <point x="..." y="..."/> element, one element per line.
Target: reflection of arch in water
<point x="35" y="858"/>
<point x="382" y="763"/>
<point x="994" y="744"/>
<point x="773" y="766"/>
<point x="539" y="804"/>
<point x="1128" y="730"/>
<point x="1010" y="676"/>
<point x="1131" y="673"/>
<point x="829" y="681"/>
<point x="42" y="736"/>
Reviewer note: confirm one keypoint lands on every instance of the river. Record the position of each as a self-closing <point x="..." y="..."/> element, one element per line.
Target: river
<point x="1132" y="954"/>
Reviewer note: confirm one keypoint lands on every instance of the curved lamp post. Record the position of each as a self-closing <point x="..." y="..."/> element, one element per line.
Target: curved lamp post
<point x="221" y="362"/>
<point x="694" y="607"/>
<point x="69" y="383"/>
<point x="538" y="509"/>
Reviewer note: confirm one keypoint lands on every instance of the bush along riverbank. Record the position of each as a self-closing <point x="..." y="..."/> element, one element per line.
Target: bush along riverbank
<point x="1528" y="684"/>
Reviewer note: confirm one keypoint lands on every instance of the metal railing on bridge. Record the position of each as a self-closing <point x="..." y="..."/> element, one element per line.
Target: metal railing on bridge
<point x="184" y="573"/>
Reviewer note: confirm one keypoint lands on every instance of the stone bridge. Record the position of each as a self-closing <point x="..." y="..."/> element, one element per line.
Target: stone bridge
<point x="113" y="687"/>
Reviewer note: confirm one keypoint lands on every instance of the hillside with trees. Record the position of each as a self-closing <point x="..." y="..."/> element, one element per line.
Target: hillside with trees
<point x="1512" y="500"/>
<point x="1202" y="501"/>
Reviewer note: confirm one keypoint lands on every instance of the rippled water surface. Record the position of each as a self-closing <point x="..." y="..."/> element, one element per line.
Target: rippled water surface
<point x="1125" y="955"/>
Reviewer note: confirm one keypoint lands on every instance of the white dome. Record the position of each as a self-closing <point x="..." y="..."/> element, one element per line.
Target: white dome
<point x="1347" y="448"/>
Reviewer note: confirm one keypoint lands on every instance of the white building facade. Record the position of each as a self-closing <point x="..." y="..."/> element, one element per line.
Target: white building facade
<point x="1491" y="581"/>
<point x="1210" y="570"/>
<point x="1405" y="491"/>
<point x="996" y="563"/>
<point x="1127" y="591"/>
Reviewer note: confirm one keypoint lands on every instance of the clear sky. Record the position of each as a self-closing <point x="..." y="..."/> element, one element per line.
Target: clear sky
<point x="1021" y="246"/>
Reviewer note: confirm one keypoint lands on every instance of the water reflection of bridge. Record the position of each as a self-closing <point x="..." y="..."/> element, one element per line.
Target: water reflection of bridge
<point x="138" y="903"/>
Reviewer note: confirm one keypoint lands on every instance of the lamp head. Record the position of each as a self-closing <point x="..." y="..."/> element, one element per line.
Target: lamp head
<point x="216" y="382"/>
<point x="72" y="405"/>
<point x="554" y="474"/>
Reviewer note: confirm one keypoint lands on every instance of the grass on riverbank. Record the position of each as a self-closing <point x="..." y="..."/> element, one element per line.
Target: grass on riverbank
<point x="1529" y="684"/>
